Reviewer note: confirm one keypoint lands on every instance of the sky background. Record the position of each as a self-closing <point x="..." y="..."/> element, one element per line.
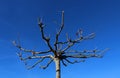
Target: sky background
<point x="99" y="16"/>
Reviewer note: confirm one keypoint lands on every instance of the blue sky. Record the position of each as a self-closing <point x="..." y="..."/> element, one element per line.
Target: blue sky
<point x="99" y="16"/>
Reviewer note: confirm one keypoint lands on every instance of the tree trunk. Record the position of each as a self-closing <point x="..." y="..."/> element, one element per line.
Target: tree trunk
<point x="58" y="71"/>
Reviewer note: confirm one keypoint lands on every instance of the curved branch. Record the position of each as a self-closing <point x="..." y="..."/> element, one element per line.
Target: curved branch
<point x="74" y="61"/>
<point x="64" y="63"/>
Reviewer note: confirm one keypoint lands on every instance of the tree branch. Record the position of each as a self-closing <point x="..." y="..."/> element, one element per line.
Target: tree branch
<point x="74" y="61"/>
<point x="68" y="46"/>
<point x="47" y="39"/>
<point x="86" y="53"/>
<point x="34" y="57"/>
<point x="31" y="51"/>
<point x="78" y="40"/>
<point x="59" y="31"/>
<point x="30" y="67"/>
<point x="85" y="56"/>
<point x="64" y="63"/>
<point x="44" y="67"/>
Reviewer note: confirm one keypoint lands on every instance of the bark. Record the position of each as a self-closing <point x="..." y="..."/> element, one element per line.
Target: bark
<point x="58" y="71"/>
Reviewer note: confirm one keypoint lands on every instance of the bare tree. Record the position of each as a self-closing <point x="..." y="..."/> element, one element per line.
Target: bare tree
<point x="57" y="53"/>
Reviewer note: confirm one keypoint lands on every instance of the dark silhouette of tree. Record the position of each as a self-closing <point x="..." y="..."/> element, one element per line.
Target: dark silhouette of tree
<point x="57" y="54"/>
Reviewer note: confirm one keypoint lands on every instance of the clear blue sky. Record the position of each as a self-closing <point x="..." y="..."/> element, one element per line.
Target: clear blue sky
<point x="99" y="16"/>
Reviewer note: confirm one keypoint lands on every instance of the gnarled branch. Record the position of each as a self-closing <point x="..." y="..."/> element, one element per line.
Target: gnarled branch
<point x="47" y="39"/>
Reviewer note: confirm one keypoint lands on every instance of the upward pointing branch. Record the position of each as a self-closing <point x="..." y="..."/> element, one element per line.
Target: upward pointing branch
<point x="58" y="33"/>
<point x="47" y="39"/>
<point x="62" y="24"/>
